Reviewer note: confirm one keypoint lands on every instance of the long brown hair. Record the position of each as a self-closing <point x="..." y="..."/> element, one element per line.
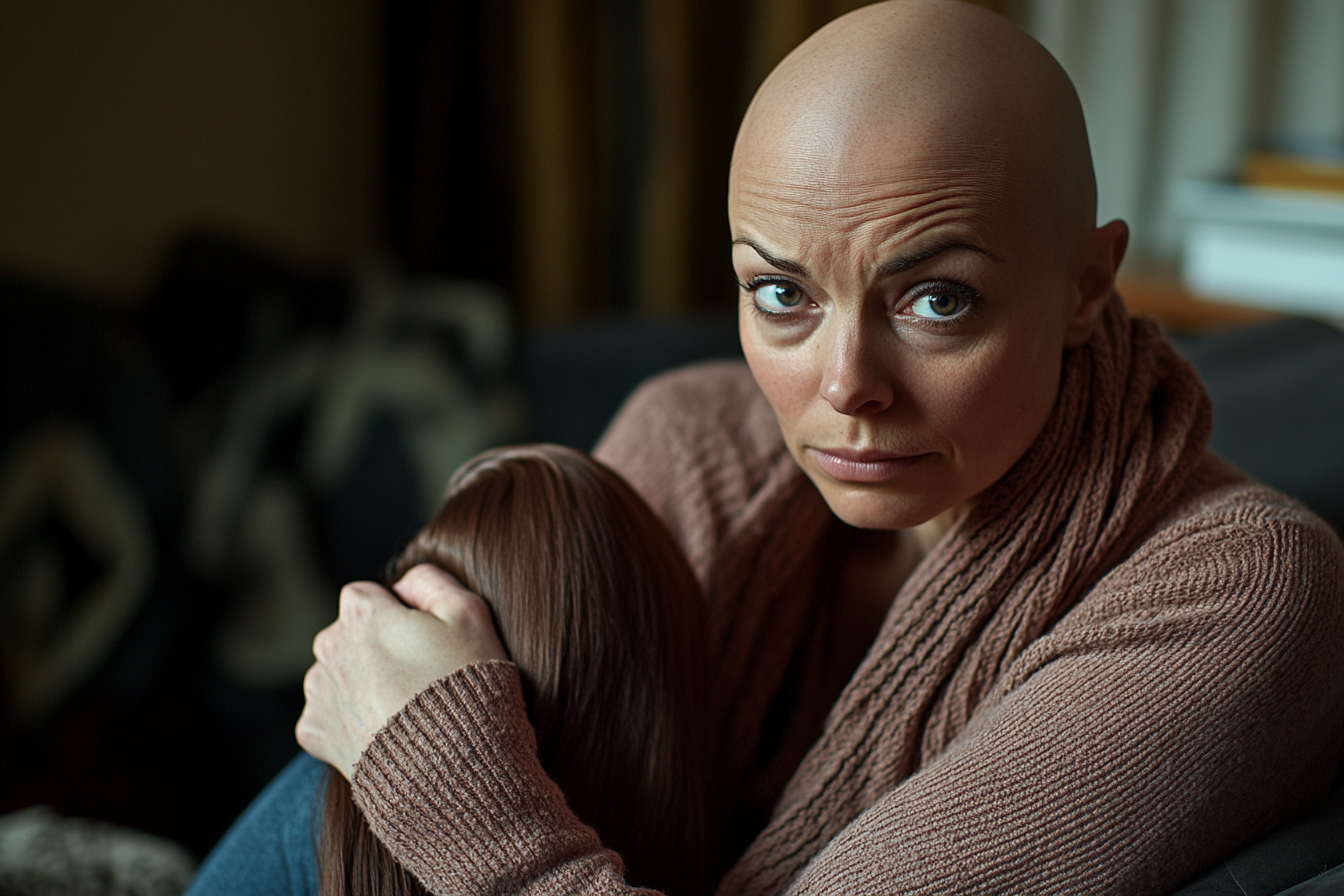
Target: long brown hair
<point x="600" y="611"/>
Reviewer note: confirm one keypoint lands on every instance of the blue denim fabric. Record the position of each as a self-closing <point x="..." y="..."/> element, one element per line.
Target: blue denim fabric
<point x="270" y="850"/>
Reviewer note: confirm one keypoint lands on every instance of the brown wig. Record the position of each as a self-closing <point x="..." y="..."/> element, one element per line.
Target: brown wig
<point x="602" y="615"/>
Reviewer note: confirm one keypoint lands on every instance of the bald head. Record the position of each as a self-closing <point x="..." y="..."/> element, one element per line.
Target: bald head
<point x="933" y="91"/>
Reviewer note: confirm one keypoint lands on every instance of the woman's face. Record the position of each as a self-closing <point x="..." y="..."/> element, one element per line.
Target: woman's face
<point x="908" y="328"/>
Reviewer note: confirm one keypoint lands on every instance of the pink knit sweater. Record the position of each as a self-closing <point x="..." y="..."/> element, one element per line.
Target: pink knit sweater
<point x="1123" y="665"/>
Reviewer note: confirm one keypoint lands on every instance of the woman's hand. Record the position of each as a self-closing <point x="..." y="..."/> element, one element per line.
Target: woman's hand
<point x="378" y="654"/>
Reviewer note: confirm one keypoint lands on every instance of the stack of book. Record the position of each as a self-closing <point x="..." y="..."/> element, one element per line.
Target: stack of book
<point x="1273" y="240"/>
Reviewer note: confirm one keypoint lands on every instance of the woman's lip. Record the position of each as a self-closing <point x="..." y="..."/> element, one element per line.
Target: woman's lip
<point x="848" y="465"/>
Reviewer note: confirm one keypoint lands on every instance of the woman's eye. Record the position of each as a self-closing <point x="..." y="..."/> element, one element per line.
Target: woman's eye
<point x="777" y="296"/>
<point x="939" y="304"/>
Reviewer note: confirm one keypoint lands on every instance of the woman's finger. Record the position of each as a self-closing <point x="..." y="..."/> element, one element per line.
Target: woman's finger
<point x="313" y="730"/>
<point x="361" y="600"/>
<point x="472" y="629"/>
<point x="434" y="590"/>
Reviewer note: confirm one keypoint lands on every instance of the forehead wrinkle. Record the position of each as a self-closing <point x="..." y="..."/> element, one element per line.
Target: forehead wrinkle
<point x="876" y="216"/>
<point x="818" y="254"/>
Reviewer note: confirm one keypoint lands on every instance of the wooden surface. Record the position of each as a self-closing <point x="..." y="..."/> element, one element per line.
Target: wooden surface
<point x="1178" y="309"/>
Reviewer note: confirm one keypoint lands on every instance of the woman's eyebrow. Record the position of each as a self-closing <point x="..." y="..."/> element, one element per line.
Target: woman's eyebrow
<point x="914" y="259"/>
<point x="894" y="266"/>
<point x="789" y="267"/>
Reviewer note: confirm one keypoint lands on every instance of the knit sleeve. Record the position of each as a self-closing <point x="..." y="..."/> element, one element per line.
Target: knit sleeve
<point x="453" y="787"/>
<point x="1192" y="702"/>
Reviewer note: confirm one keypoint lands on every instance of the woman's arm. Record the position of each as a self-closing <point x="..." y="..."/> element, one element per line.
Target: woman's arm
<point x="1135" y="743"/>
<point x="1192" y="702"/>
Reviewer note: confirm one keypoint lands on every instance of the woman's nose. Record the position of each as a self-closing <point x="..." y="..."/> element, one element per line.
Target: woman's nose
<point x="855" y="379"/>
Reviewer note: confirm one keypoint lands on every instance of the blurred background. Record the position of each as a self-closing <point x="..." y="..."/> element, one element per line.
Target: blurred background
<point x="270" y="270"/>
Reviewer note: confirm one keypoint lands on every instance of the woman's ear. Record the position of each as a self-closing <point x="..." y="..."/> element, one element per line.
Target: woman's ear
<point x="1105" y="250"/>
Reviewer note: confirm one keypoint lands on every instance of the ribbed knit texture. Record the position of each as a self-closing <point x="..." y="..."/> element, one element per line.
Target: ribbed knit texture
<point x="1122" y="665"/>
<point x="517" y="816"/>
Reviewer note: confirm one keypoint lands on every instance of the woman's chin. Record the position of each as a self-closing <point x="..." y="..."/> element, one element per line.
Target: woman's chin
<point x="877" y="508"/>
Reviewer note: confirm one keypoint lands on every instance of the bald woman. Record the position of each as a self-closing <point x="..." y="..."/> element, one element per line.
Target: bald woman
<point x="985" y="616"/>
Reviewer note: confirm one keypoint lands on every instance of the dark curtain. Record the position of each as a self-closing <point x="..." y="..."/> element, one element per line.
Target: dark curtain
<point x="448" y="98"/>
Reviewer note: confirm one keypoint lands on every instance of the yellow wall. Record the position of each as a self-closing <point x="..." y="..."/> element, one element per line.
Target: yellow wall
<point x="123" y="120"/>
